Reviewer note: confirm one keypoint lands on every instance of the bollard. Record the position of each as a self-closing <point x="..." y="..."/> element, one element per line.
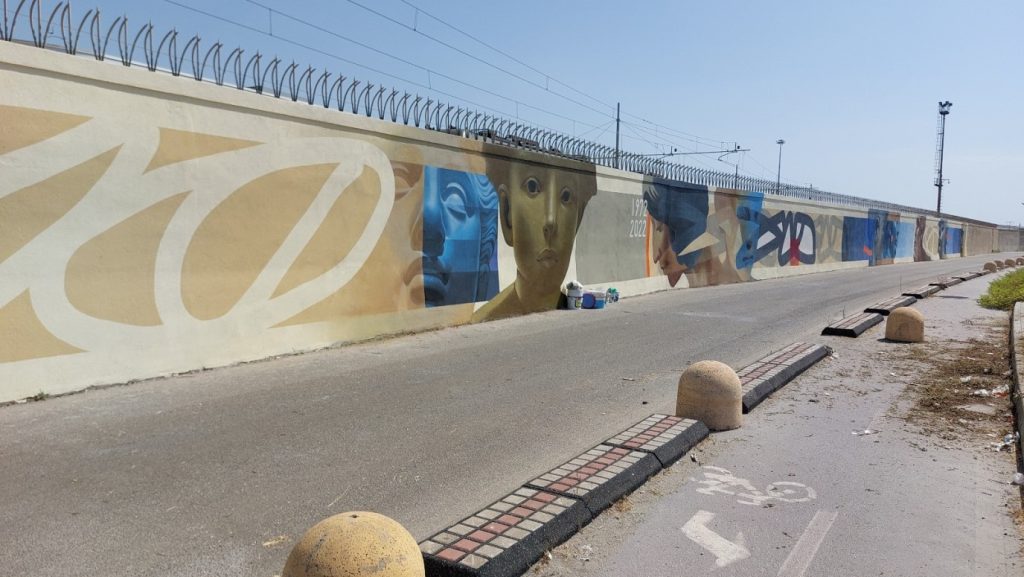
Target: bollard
<point x="1020" y="260"/>
<point x="710" y="392"/>
<point x="1010" y="262"/>
<point x="999" y="264"/>
<point x="355" y="544"/>
<point x="905" y="325"/>
<point x="990" y="267"/>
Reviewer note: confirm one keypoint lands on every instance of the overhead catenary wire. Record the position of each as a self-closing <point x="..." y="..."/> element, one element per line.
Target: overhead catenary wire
<point x="505" y="54"/>
<point x="471" y="55"/>
<point x="429" y="71"/>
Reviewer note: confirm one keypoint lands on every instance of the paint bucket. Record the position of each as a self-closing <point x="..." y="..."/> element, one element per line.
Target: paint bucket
<point x="594" y="300"/>
<point x="574" y="299"/>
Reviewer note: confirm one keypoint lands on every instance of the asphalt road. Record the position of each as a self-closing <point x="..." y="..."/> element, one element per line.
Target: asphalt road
<point x="800" y="490"/>
<point x="192" y="475"/>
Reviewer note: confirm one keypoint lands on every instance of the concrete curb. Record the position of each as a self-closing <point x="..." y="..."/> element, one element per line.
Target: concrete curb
<point x="666" y="437"/>
<point x="968" y="276"/>
<point x="616" y="472"/>
<point x="923" y="292"/>
<point x="852" y="326"/>
<point x="505" y="538"/>
<point x="946" y="282"/>
<point x="887" y="306"/>
<point x="769" y="374"/>
<point x="508" y="536"/>
<point x="1016" y="351"/>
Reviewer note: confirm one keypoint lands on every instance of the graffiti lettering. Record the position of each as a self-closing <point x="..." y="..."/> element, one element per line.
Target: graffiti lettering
<point x="790" y="235"/>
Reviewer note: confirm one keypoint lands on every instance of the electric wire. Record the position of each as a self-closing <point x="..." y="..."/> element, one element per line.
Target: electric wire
<point x="421" y="85"/>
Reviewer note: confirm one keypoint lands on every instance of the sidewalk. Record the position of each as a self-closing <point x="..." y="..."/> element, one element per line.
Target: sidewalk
<point x="862" y="466"/>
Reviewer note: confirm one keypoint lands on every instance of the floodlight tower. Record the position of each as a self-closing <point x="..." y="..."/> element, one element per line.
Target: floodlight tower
<point x="940" y="141"/>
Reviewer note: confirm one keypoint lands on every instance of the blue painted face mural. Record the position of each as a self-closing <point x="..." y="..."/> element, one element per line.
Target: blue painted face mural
<point x="680" y="215"/>
<point x="460" y="227"/>
<point x="748" y="213"/>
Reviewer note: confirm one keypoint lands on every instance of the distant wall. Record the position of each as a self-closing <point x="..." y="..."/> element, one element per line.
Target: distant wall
<point x="152" y="225"/>
<point x="1009" y="239"/>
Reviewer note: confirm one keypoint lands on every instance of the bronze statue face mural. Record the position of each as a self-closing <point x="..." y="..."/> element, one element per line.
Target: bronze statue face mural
<point x="540" y="209"/>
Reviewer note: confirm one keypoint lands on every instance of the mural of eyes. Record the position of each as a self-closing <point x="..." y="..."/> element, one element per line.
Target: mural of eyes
<point x="567" y="196"/>
<point x="455" y="202"/>
<point x="532" y="186"/>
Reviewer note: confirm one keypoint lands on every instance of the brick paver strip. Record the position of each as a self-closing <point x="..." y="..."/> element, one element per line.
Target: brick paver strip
<point x="947" y="282"/>
<point x="923" y="292"/>
<point x="853" y="326"/>
<point x="887" y="306"/>
<point x="666" y="437"/>
<point x="506" y="537"/>
<point x="600" y="476"/>
<point x="767" y="375"/>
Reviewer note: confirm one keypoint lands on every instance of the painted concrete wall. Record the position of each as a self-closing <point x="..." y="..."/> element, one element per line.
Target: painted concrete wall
<point x="1009" y="239"/>
<point x="152" y="225"/>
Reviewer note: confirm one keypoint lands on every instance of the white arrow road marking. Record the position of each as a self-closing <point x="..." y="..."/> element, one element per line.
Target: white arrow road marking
<point x="807" y="546"/>
<point x="724" y="550"/>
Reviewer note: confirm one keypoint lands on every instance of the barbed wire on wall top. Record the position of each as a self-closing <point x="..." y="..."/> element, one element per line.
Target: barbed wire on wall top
<point x="182" y="55"/>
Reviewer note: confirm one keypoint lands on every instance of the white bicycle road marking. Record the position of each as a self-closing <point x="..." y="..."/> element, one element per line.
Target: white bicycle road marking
<point x="724" y="550"/>
<point x="807" y="546"/>
<point x="721" y="481"/>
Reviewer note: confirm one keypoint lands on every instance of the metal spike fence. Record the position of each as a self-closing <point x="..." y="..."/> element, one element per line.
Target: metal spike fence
<point x="27" y="22"/>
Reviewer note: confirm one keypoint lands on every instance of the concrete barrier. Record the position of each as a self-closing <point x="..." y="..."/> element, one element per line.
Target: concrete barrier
<point x="905" y="325"/>
<point x="1016" y="350"/>
<point x="711" y="392"/>
<point x="356" y="544"/>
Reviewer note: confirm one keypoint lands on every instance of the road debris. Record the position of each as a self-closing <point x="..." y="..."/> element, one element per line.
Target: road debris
<point x="864" y="432"/>
<point x="1009" y="441"/>
<point x="276" y="541"/>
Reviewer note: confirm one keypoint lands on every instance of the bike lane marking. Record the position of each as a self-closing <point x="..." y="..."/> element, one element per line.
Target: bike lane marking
<point x="806" y="547"/>
<point x="721" y="481"/>
<point x="725" y="551"/>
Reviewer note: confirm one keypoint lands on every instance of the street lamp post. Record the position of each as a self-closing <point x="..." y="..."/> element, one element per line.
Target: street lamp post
<point x="778" y="175"/>
<point x="940" y="150"/>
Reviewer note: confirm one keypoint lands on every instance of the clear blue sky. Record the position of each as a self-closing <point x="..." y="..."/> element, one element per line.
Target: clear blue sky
<point x="851" y="86"/>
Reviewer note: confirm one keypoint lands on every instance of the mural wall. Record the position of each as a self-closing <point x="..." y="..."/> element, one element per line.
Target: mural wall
<point x="152" y="225"/>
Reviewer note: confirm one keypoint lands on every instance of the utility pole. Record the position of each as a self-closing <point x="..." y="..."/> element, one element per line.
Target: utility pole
<point x="778" y="175"/>
<point x="617" y="107"/>
<point x="939" y="149"/>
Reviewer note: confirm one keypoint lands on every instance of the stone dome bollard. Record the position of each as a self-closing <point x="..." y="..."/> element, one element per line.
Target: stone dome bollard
<point x="355" y="544"/>
<point x="710" y="392"/>
<point x="990" y="267"/>
<point x="1010" y="262"/>
<point x="1020" y="260"/>
<point x="999" y="264"/>
<point x="905" y="325"/>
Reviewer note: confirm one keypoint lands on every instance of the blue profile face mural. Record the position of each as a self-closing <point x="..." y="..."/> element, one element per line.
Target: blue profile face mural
<point x="748" y="213"/>
<point x="680" y="215"/>
<point x="460" y="232"/>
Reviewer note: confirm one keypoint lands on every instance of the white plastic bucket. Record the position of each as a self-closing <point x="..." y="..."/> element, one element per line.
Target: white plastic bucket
<point x="574" y="299"/>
